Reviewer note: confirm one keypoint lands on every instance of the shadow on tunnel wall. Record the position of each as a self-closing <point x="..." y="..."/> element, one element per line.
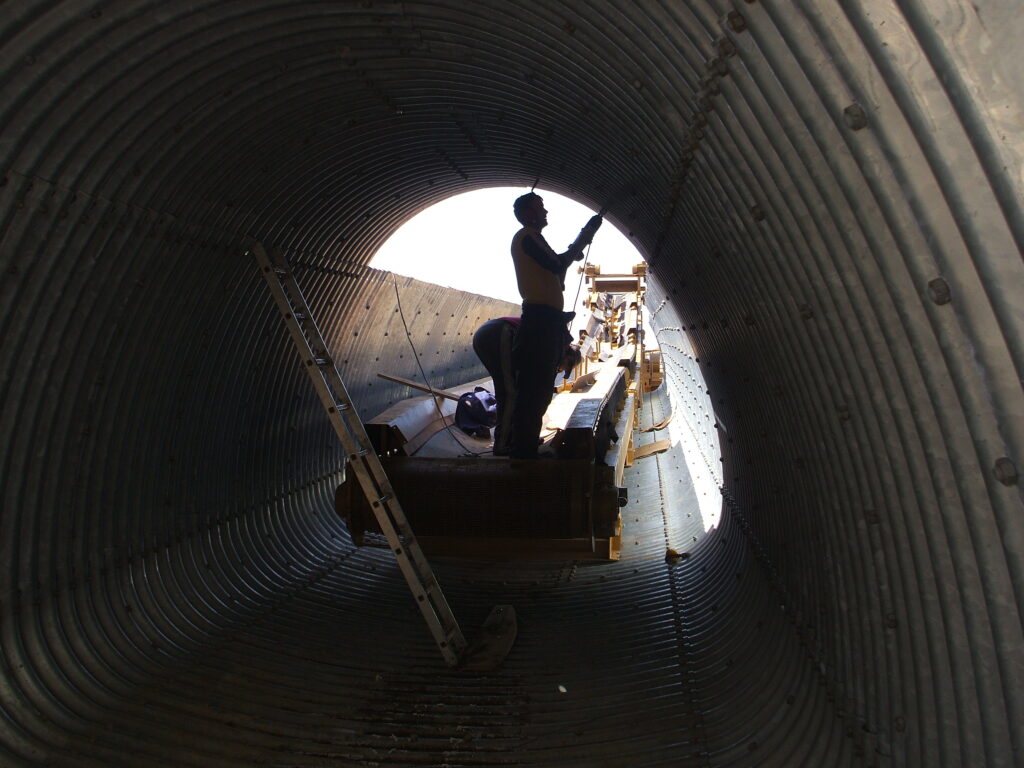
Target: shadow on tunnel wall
<point x="828" y="196"/>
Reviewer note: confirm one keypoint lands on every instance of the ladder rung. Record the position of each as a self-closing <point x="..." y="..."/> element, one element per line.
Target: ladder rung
<point x="434" y="593"/>
<point x="452" y="636"/>
<point x="323" y="362"/>
<point x="385" y="498"/>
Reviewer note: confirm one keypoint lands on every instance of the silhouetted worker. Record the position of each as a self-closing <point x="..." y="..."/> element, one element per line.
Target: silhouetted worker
<point x="540" y="341"/>
<point x="493" y="342"/>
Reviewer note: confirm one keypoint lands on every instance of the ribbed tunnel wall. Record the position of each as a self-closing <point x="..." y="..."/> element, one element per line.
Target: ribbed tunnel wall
<point x="829" y="195"/>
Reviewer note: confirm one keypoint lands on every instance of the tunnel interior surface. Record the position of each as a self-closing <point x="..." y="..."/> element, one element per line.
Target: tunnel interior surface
<point x="828" y="196"/>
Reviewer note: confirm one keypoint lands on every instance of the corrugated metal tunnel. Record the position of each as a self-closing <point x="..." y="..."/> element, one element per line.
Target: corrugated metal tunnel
<point x="829" y="196"/>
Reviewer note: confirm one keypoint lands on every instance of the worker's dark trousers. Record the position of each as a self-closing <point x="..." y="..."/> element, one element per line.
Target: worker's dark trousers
<point x="539" y="345"/>
<point x="492" y="343"/>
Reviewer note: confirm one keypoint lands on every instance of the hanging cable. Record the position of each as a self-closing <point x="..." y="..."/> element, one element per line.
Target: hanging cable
<point x="583" y="273"/>
<point x="433" y="393"/>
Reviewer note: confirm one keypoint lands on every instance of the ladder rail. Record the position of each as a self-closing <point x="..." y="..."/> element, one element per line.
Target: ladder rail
<point x="361" y="456"/>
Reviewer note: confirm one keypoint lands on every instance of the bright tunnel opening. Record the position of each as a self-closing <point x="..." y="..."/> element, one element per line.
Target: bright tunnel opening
<point x="462" y="243"/>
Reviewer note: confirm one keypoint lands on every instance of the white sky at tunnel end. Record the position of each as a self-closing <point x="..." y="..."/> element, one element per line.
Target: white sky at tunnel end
<point x="463" y="243"/>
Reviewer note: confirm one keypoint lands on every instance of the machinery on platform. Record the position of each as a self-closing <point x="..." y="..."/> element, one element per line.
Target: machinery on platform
<point x="463" y="501"/>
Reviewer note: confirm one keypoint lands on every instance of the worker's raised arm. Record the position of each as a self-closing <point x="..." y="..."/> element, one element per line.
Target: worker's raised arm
<point x="583" y="239"/>
<point x="537" y="248"/>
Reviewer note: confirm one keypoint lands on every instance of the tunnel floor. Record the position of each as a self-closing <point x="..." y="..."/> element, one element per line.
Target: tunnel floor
<point x="343" y="672"/>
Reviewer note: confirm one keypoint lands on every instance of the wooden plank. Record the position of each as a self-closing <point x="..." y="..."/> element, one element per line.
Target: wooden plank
<point x="652" y="448"/>
<point x="416" y="385"/>
<point x="583" y="383"/>
<point x="660" y="425"/>
<point x="615" y="284"/>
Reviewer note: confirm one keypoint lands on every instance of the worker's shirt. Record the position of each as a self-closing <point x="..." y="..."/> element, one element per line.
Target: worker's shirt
<point x="540" y="272"/>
